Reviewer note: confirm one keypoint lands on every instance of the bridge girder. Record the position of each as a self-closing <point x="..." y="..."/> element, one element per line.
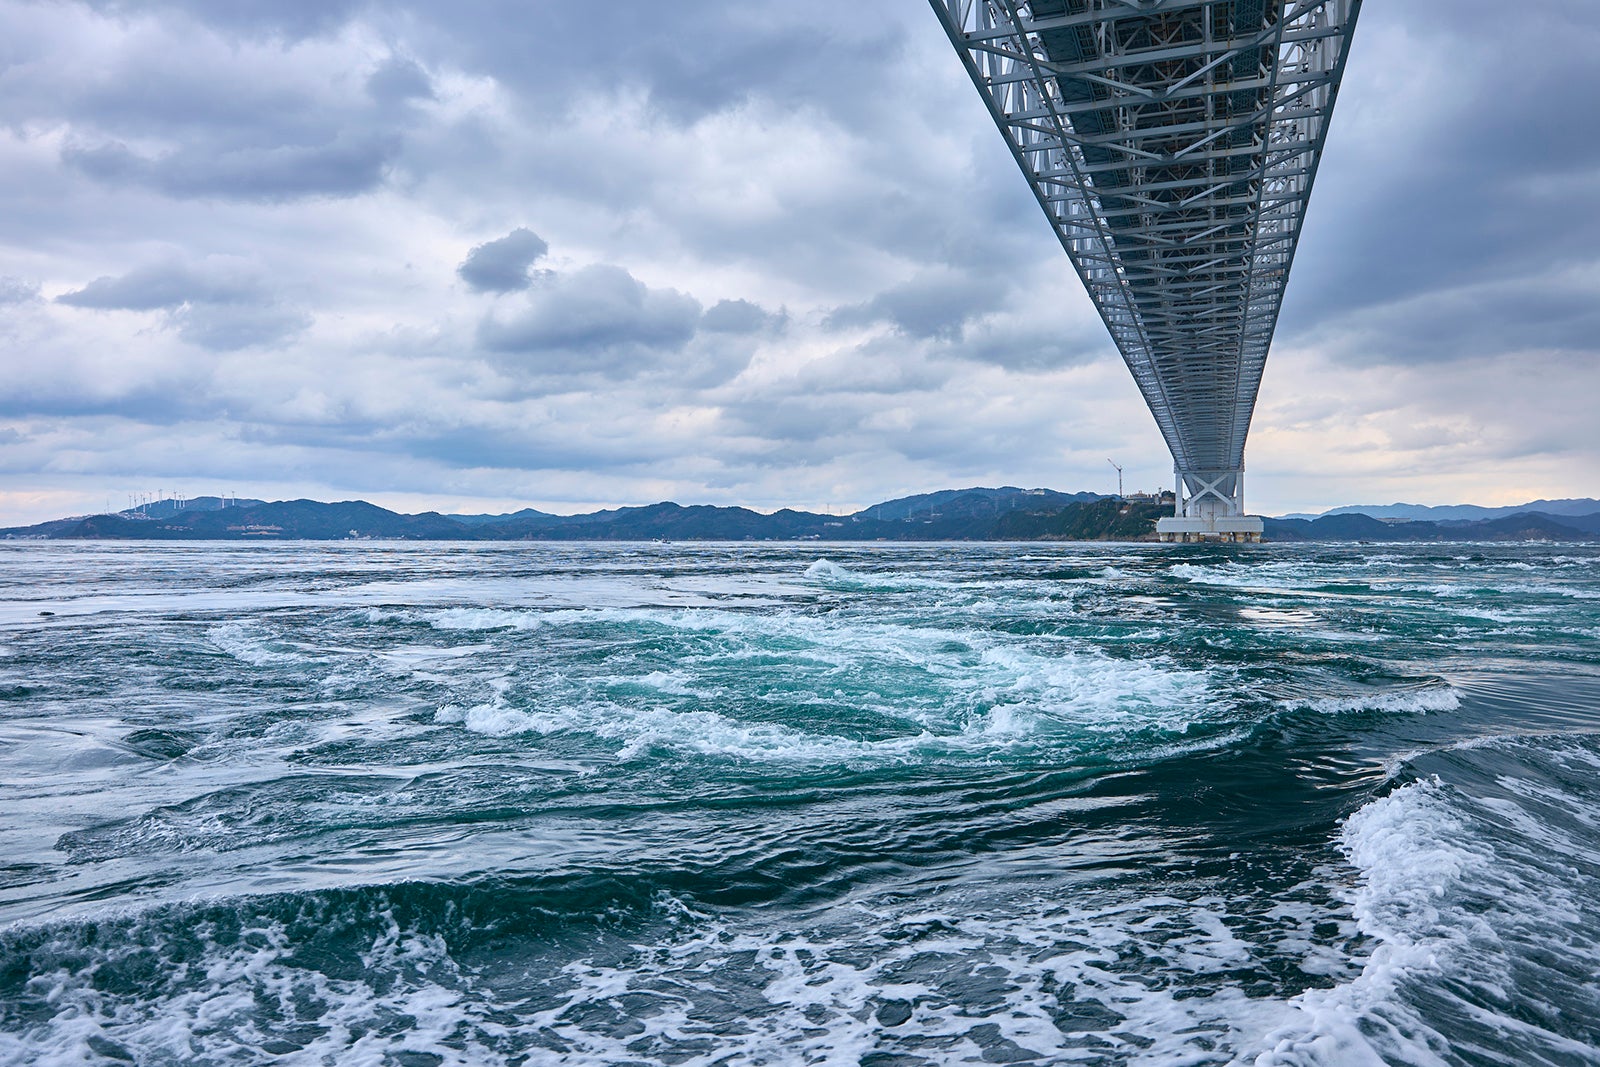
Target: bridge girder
<point x="1173" y="145"/>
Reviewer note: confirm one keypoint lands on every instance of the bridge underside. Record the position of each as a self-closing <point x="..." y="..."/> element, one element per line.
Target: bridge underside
<point x="1173" y="145"/>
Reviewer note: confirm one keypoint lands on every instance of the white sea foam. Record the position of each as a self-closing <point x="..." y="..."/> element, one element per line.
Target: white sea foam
<point x="963" y="707"/>
<point x="1410" y="851"/>
<point x="1200" y="574"/>
<point x="1401" y="701"/>
<point x="1139" y="982"/>
<point x="1463" y="590"/>
<point x="638" y="732"/>
<point x="1258" y="574"/>
<point x="957" y="691"/>
<point x="376" y="616"/>
<point x="1480" y="905"/>
<point x="826" y="572"/>
<point x="1447" y="903"/>
<point x="411" y="658"/>
<point x="1144" y="980"/>
<point x="678" y="683"/>
<point x="211" y="1007"/>
<point x="252" y="643"/>
<point x="486" y="619"/>
<point x="1451" y="590"/>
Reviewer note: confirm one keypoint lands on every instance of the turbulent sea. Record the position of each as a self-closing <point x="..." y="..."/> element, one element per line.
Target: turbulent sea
<point x="424" y="804"/>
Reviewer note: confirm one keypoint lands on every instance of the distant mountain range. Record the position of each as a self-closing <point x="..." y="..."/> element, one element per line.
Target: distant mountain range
<point x="960" y="514"/>
<point x="1517" y="526"/>
<point x="1005" y="514"/>
<point x="1458" y="512"/>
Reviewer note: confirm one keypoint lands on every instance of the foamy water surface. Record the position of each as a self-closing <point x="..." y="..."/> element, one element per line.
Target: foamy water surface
<point x="424" y="804"/>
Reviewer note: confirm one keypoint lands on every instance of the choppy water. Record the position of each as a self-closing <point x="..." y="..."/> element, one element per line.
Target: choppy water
<point x="423" y="804"/>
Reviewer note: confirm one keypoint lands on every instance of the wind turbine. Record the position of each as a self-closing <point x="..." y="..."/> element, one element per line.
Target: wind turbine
<point x="1119" y="477"/>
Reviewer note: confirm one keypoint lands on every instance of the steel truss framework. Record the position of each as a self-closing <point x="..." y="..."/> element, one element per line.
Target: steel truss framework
<point x="1173" y="145"/>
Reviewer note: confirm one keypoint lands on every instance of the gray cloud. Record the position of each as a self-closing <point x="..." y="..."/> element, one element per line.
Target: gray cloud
<point x="599" y="319"/>
<point x="225" y="328"/>
<point x="980" y="317"/>
<point x="501" y="266"/>
<point x="17" y="291"/>
<point x="341" y="168"/>
<point x="738" y="316"/>
<point x="1551" y="313"/>
<point x="223" y="307"/>
<point x="1020" y="342"/>
<point x="239" y="116"/>
<point x="292" y="19"/>
<point x="934" y="304"/>
<point x="398" y="80"/>
<point x="162" y="285"/>
<point x="1441" y="177"/>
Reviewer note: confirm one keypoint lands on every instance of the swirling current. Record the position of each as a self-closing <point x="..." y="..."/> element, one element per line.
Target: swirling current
<point x="419" y="804"/>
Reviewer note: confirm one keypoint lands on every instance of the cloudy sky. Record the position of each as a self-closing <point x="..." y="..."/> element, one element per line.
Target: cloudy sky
<point x="484" y="255"/>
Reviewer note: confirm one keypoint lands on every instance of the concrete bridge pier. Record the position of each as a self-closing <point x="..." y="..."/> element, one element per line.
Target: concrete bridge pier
<point x="1210" y="507"/>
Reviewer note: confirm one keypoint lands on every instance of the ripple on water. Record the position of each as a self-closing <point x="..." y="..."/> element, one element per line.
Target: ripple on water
<point x="718" y="804"/>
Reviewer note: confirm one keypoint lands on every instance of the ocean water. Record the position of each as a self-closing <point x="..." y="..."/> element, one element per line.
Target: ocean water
<point x="423" y="804"/>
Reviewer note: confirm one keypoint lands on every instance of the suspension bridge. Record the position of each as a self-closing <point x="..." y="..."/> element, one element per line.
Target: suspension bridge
<point x="1173" y="145"/>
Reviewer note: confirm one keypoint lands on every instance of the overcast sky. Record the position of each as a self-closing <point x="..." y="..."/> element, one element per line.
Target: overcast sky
<point x="485" y="255"/>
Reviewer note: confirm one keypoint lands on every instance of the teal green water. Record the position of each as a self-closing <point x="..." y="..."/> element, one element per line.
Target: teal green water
<point x="423" y="804"/>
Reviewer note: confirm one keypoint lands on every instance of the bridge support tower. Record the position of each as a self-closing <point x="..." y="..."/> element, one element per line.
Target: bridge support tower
<point x="1210" y="507"/>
